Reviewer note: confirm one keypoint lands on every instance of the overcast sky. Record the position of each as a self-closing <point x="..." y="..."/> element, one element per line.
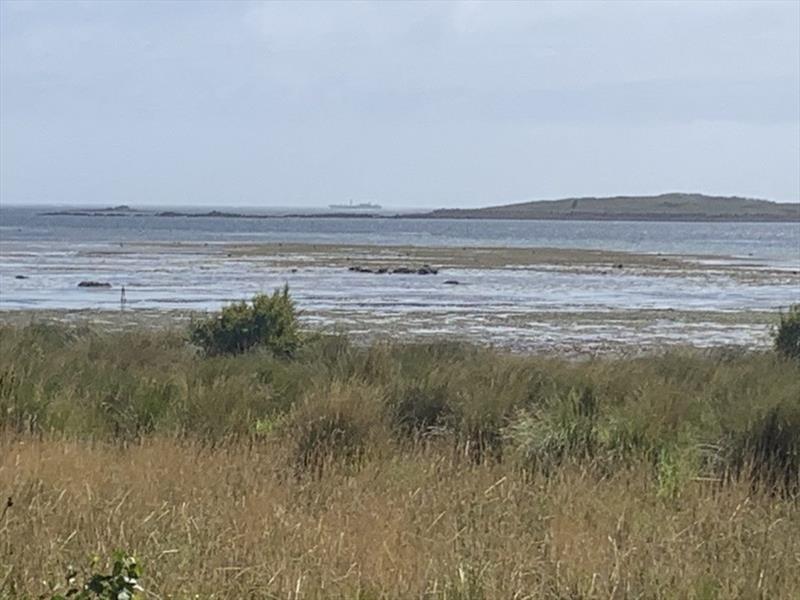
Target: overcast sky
<point x="406" y="104"/>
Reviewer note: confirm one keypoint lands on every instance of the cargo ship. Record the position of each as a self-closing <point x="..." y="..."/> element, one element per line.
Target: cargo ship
<point x="360" y="206"/>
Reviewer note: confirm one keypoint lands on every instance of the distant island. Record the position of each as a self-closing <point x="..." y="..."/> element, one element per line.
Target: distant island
<point x="109" y="211"/>
<point x="664" y="207"/>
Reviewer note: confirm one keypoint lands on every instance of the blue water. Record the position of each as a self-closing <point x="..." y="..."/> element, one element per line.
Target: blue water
<point x="776" y="243"/>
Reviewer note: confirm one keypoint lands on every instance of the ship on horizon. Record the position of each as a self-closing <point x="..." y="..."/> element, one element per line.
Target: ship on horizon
<point x="359" y="206"/>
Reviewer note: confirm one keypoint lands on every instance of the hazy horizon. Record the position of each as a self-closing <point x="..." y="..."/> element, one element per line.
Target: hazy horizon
<point x="410" y="105"/>
<point x="313" y="207"/>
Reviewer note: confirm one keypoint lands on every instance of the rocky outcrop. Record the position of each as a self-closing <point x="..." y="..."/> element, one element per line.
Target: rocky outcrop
<point x="423" y="270"/>
<point x="427" y="270"/>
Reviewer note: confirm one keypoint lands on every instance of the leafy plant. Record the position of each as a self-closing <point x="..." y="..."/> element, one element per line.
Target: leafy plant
<point x="268" y="321"/>
<point x="121" y="584"/>
<point x="787" y="335"/>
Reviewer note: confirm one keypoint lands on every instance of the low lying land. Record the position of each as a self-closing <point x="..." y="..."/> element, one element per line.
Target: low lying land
<point x="445" y="258"/>
<point x="665" y="207"/>
<point x="396" y="470"/>
<point x="298" y="255"/>
<point x="345" y="255"/>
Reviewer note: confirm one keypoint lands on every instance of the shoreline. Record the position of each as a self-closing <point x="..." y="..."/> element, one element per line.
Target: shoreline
<point x="451" y="214"/>
<point x="569" y="334"/>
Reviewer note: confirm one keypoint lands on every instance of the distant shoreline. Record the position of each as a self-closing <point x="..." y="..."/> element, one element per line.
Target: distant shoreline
<point x="670" y="207"/>
<point x="674" y="206"/>
<point x="617" y="217"/>
<point x="442" y="215"/>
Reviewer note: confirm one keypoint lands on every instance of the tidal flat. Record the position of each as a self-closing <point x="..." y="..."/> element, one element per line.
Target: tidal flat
<point x="522" y="299"/>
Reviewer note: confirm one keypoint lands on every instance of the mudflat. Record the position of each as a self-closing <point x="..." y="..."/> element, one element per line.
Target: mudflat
<point x="524" y="299"/>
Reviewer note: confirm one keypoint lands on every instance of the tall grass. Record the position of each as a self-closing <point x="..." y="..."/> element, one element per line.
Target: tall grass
<point x="234" y="522"/>
<point x="488" y="405"/>
<point x="787" y="333"/>
<point x="397" y="470"/>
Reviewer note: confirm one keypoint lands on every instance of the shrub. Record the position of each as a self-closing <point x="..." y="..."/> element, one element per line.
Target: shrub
<point x="268" y="321"/>
<point x="787" y="336"/>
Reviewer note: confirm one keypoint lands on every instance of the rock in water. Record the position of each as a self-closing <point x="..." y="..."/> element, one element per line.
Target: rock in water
<point x="94" y="284"/>
<point x="427" y="270"/>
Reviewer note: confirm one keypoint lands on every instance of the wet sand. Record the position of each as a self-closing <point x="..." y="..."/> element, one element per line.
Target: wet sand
<point x="578" y="333"/>
<point x="294" y="255"/>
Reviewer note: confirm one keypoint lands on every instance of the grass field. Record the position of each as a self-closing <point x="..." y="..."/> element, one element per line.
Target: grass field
<point x="397" y="471"/>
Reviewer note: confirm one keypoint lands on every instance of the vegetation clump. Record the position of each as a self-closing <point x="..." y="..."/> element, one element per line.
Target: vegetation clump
<point x="269" y="321"/>
<point x="556" y="430"/>
<point x="787" y="335"/>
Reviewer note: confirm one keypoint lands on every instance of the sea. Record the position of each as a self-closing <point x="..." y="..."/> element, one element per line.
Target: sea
<point x="165" y="264"/>
<point x="777" y="243"/>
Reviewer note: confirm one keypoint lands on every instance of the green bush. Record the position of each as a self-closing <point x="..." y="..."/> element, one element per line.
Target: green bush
<point x="787" y="336"/>
<point x="267" y="321"/>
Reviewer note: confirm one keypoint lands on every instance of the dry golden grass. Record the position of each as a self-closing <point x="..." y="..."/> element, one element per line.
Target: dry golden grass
<point x="237" y="522"/>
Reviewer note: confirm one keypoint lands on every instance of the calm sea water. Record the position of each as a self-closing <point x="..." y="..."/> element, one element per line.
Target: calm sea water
<point x="770" y="242"/>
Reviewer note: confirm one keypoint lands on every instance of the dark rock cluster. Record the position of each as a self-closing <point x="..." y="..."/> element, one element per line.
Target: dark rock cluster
<point x="423" y="270"/>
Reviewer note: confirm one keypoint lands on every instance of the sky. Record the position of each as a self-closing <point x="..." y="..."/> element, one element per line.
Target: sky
<point x="407" y="104"/>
